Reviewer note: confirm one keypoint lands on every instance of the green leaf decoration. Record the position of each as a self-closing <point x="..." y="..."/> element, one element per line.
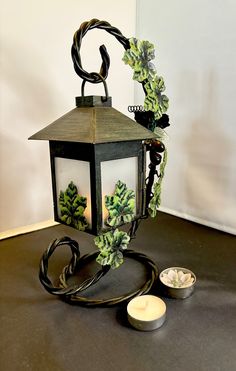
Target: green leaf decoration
<point x="155" y="201"/>
<point x="155" y="101"/>
<point x="120" y="206"/>
<point x="72" y="207"/>
<point x="139" y="58"/>
<point x="111" y="244"/>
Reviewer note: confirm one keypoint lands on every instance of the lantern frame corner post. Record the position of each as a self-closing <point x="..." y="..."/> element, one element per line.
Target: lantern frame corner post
<point x="96" y="195"/>
<point x="53" y="180"/>
<point x="142" y="178"/>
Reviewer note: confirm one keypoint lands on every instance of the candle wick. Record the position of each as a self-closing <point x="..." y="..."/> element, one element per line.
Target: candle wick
<point x="143" y="306"/>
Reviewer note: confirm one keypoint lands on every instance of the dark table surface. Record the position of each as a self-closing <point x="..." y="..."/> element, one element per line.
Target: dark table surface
<point x="40" y="332"/>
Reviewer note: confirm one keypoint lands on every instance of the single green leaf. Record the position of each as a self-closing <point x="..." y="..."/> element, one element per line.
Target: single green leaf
<point x="121" y="205"/>
<point x="72" y="207"/>
<point x="139" y="58"/>
<point x="111" y="244"/>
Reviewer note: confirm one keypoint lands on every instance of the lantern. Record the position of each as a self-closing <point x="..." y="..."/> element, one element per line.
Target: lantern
<point x="98" y="168"/>
<point x="94" y="149"/>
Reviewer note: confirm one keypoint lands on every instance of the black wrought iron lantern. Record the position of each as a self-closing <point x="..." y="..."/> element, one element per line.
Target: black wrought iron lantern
<point x="98" y="167"/>
<point x="93" y="147"/>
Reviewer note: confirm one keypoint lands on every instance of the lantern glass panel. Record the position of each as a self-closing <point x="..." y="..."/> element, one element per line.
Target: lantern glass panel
<point x="78" y="172"/>
<point x="125" y="170"/>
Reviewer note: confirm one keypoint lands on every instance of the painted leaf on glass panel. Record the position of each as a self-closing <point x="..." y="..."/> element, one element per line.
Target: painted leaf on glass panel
<point x="121" y="205"/>
<point x="72" y="206"/>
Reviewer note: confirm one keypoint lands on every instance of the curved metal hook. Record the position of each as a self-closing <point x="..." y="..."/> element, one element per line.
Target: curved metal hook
<point x="95" y="78"/>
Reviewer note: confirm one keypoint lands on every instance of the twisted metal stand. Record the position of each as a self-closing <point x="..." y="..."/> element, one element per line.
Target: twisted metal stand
<point x="71" y="293"/>
<point x="69" y="270"/>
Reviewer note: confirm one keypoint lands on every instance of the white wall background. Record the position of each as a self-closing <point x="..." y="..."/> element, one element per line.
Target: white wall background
<point x="38" y="85"/>
<point x="196" y="53"/>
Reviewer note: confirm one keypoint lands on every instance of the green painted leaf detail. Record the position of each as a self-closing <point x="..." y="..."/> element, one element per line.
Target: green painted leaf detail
<point x="121" y="205"/>
<point x="111" y="244"/>
<point x="156" y="199"/>
<point x="72" y="207"/>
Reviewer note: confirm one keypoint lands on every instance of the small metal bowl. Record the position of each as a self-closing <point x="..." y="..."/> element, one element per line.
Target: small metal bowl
<point x="176" y="291"/>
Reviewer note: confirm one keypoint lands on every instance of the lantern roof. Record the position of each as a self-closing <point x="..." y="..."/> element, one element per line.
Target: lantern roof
<point x="94" y="124"/>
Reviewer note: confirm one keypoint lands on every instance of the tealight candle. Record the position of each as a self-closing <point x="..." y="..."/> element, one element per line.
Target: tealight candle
<point x="177" y="282"/>
<point x="146" y="312"/>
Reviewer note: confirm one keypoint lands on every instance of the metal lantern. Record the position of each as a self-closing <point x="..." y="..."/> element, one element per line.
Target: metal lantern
<point x="93" y="147"/>
<point x="98" y="167"/>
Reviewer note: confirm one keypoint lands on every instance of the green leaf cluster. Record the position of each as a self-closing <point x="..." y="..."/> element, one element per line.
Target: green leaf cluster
<point x="111" y="244"/>
<point x="72" y="207"/>
<point x="155" y="101"/>
<point x="121" y="205"/>
<point x="139" y="57"/>
<point x="155" y="201"/>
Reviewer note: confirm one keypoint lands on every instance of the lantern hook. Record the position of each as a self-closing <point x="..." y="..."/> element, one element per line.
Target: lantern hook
<point x="104" y="99"/>
<point x="75" y="49"/>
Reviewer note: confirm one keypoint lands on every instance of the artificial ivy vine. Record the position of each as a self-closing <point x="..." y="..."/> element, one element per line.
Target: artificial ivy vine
<point x="139" y="57"/>
<point x="156" y="198"/>
<point x="121" y="204"/>
<point x="72" y="206"/>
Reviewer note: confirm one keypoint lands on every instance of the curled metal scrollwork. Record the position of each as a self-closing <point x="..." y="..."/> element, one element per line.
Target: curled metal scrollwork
<point x="71" y="292"/>
<point x="75" y="49"/>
